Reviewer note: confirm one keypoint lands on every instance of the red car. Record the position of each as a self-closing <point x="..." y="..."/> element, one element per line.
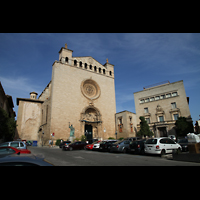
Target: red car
<point x="12" y="150"/>
<point x="90" y="146"/>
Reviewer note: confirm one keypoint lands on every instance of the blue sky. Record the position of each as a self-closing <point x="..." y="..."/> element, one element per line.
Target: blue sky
<point x="140" y="59"/>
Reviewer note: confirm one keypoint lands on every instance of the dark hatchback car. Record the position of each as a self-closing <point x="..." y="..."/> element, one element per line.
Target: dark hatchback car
<point x="184" y="144"/>
<point x="137" y="146"/>
<point x="64" y="143"/>
<point x="106" y="145"/>
<point x="74" y="146"/>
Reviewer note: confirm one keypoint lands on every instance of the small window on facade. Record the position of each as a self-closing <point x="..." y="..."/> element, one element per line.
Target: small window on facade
<point x="148" y="120"/>
<point x="161" y="119"/>
<point x="142" y="101"/>
<point x="173" y="105"/>
<point x="66" y="59"/>
<point x="85" y="65"/>
<point x="95" y="68"/>
<point x="157" y="98"/>
<point x="147" y="100"/>
<point x="91" y="67"/>
<point x="99" y="70"/>
<point x="75" y="62"/>
<point x="176" y="116"/>
<point x="120" y="120"/>
<point x="168" y="95"/>
<point x="110" y="73"/>
<point x="152" y="99"/>
<point x="174" y="94"/>
<point x="104" y="71"/>
<point x="80" y="64"/>
<point x="146" y="110"/>
<point x="162" y="96"/>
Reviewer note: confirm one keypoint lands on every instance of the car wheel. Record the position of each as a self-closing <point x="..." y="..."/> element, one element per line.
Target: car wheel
<point x="162" y="153"/>
<point x="124" y="150"/>
<point x="70" y="148"/>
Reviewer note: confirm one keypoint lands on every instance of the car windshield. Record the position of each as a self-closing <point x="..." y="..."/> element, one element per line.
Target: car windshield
<point x="182" y="141"/>
<point x="151" y="141"/>
<point x="119" y="142"/>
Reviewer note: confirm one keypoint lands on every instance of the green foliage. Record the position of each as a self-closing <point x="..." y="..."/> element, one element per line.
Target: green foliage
<point x="144" y="128"/>
<point x="183" y="127"/>
<point x="58" y="142"/>
<point x="111" y="138"/>
<point x="121" y="138"/>
<point x="83" y="138"/>
<point x="7" y="126"/>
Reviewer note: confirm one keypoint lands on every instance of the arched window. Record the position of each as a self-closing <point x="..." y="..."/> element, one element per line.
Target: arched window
<point x="85" y="65"/>
<point x="95" y="68"/>
<point x="80" y="64"/>
<point x="104" y="71"/>
<point x="75" y="62"/>
<point x="110" y="73"/>
<point x="66" y="59"/>
<point x="91" y="67"/>
<point x="99" y="70"/>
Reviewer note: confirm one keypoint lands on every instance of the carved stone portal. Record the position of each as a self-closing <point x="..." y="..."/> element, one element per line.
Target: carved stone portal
<point x="91" y="115"/>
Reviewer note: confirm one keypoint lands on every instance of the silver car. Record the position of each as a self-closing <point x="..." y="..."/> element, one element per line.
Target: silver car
<point x="120" y="146"/>
<point x="15" y="144"/>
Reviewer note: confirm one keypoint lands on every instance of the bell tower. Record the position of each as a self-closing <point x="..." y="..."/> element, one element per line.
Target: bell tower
<point x="33" y="95"/>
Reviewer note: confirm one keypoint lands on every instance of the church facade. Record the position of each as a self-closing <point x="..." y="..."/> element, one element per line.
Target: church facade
<point x="81" y="94"/>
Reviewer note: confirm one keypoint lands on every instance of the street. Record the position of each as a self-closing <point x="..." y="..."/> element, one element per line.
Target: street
<point x="58" y="157"/>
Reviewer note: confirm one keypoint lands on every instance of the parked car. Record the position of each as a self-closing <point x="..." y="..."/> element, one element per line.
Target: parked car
<point x="161" y="146"/>
<point x="23" y="160"/>
<point x="12" y="150"/>
<point x="173" y="137"/>
<point x="74" y="146"/>
<point x="137" y="146"/>
<point x="96" y="146"/>
<point x="15" y="144"/>
<point x="106" y="145"/>
<point x="64" y="143"/>
<point x="90" y="146"/>
<point x="184" y="144"/>
<point x="132" y="138"/>
<point x="120" y="146"/>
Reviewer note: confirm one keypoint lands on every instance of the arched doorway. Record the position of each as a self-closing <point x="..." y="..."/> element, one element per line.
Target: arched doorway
<point x="89" y="133"/>
<point x="91" y="122"/>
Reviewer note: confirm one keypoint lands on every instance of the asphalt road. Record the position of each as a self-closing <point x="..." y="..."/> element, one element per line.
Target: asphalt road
<point x="94" y="158"/>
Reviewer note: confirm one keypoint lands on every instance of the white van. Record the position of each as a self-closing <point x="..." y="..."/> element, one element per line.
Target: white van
<point x="161" y="146"/>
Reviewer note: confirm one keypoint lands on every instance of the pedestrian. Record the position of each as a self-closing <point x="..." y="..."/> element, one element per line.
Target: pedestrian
<point x="49" y="143"/>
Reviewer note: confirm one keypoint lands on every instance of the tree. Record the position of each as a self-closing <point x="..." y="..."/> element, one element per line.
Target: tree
<point x="7" y="126"/>
<point x="183" y="127"/>
<point x="144" y="128"/>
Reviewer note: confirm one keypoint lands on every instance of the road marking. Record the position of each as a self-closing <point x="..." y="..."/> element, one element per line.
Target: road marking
<point x="79" y="157"/>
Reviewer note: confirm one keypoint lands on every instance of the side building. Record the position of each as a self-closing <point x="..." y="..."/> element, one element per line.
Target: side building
<point x="161" y="106"/>
<point x="125" y="124"/>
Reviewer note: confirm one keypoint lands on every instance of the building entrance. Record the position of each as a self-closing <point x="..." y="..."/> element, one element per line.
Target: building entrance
<point x="88" y="133"/>
<point x="163" y="131"/>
